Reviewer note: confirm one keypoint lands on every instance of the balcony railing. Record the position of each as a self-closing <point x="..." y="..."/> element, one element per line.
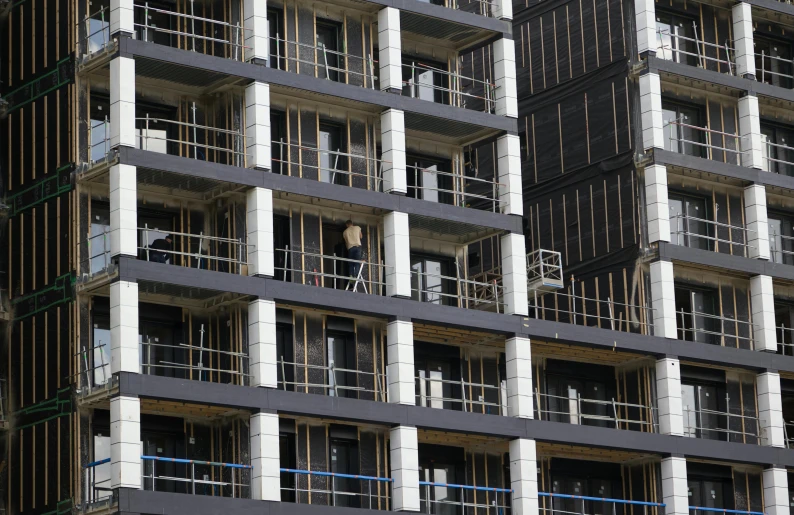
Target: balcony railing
<point x="455" y="189"/>
<point x="448" y="499"/>
<point x="688" y="231"/>
<point x="97" y="30"/>
<point x="330" y="166"/>
<point x="456" y="291"/>
<point x="453" y="89"/>
<point x="3" y="408"/>
<point x="195" y="362"/>
<point x="672" y="46"/>
<point x="97" y="248"/>
<point x="471" y="396"/>
<point x="196" y="251"/>
<point x="331" y="380"/>
<point x="773" y="72"/>
<point x="93" y="368"/>
<point x="700" y="510"/>
<point x="334" y="489"/>
<point x="714" y="424"/>
<point x="199" y="477"/>
<point x="709" y="145"/>
<point x="576" y="410"/>
<point x="778" y="158"/>
<point x="97" y="490"/>
<point x="200" y="142"/>
<point x="196" y="33"/>
<point x="599" y="505"/>
<point x="788" y="429"/>
<point x="700" y="327"/>
<point x="330" y="271"/>
<point x="327" y="64"/>
<point x="580" y="310"/>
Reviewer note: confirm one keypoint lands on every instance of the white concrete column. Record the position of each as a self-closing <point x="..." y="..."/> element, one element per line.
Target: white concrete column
<point x="257" y="125"/>
<point x="123" y="210"/>
<point x="259" y="221"/>
<point x="770" y="409"/>
<point x="397" y="249"/>
<point x="514" y="274"/>
<point x="776" y="496"/>
<point x="651" y="111"/>
<point x="757" y="223"/>
<point x="744" y="49"/>
<point x="400" y="362"/>
<point x="503" y="10"/>
<point x="657" y="208"/>
<point x="392" y="139"/>
<point x="668" y="393"/>
<point x="255" y="24"/>
<point x="122" y="17"/>
<point x="518" y="365"/>
<point x="524" y="476"/>
<point x="265" y="476"/>
<point x="262" y="353"/>
<point x="508" y="166"/>
<point x="663" y="299"/>
<point x="390" y="49"/>
<point x="122" y="102"/>
<point x="125" y="442"/>
<point x="504" y="72"/>
<point x="645" y="16"/>
<point x="404" y="455"/>
<point x="750" y="133"/>
<point x="124" y="353"/>
<point x="675" y="493"/>
<point x="762" y="304"/>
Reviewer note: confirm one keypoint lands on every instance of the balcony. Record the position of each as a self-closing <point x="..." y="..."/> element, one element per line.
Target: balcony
<point x="336" y="489"/>
<point x="586" y="505"/>
<point x="701" y="233"/>
<point x="434" y="82"/>
<point x="428" y="285"/>
<point x="684" y="134"/>
<point x="702" y="316"/>
<point x="452" y="499"/>
<point x="680" y="41"/>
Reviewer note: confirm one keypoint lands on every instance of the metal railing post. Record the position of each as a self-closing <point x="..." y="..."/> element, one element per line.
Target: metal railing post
<point x="233" y="482"/>
<point x="193" y="477"/>
<point x="333" y="490"/>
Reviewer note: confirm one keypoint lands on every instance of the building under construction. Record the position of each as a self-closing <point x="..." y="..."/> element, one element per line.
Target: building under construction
<point x="298" y="258"/>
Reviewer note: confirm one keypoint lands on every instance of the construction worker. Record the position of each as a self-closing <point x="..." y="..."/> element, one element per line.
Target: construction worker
<point x="352" y="237"/>
<point x="159" y="250"/>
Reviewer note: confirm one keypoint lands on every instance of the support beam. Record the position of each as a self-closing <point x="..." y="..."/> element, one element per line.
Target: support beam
<point x="518" y="365"/>
<point x="392" y="135"/>
<point x="776" y="495"/>
<point x="123" y="211"/>
<point x="668" y="388"/>
<point x="397" y="249"/>
<point x="663" y="299"/>
<point x="744" y="49"/>
<point x="645" y="16"/>
<point x="265" y="460"/>
<point x="125" y="442"/>
<point x="656" y="203"/>
<point x="257" y="126"/>
<point x="122" y="17"/>
<point x="122" y="103"/>
<point x="757" y="222"/>
<point x="255" y="24"/>
<point x="514" y="274"/>
<point x="524" y="476"/>
<point x="400" y="362"/>
<point x="259" y="219"/>
<point x="651" y="111"/>
<point x="124" y="346"/>
<point x="390" y="50"/>
<point x="504" y="67"/>
<point x="508" y="165"/>
<point x="750" y="133"/>
<point x="770" y="409"/>
<point x="404" y="455"/>
<point x="675" y="493"/>
<point x="262" y="353"/>
<point x="762" y="304"/>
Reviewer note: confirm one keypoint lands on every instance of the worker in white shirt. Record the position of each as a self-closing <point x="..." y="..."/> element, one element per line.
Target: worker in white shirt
<point x="352" y="237"/>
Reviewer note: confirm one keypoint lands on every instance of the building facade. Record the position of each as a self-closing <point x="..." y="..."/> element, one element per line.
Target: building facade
<point x="455" y="257"/>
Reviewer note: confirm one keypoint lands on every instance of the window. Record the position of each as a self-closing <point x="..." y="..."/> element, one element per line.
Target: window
<point x="425" y="79"/>
<point x="675" y="38"/>
<point x="329" y="44"/>
<point x="689" y="222"/>
<point x="430" y="280"/>
<point x="781" y="238"/>
<point x="101" y="352"/>
<point x="777" y="149"/>
<point x="681" y="133"/>
<point x="342" y="377"/>
<point x="101" y="473"/>
<point x="784" y="318"/>
<point x="156" y="27"/>
<point x="287" y="460"/>
<point x="697" y="315"/>
<point x="443" y="465"/>
<point x="344" y="460"/>
<point x="280" y="147"/>
<point x="99" y="143"/>
<point x="772" y="61"/>
<point x="98" y="30"/>
<point x="278" y="44"/>
<point x="703" y="405"/>
<point x="438" y="369"/>
<point x="99" y="243"/>
<point x="333" y="166"/>
<point x="429" y="179"/>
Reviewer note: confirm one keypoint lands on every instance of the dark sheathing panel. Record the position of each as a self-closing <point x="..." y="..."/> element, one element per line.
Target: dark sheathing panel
<point x="299" y="334"/>
<point x="318" y="442"/>
<point x="355" y="46"/>
<point x="755" y="493"/>
<point x="740" y="498"/>
<point x="357" y="143"/>
<point x="294" y="147"/>
<point x="734" y="401"/>
<point x="736" y="210"/>
<point x="368" y="466"/>
<point x="302" y="462"/>
<point x="312" y="264"/>
<point x="315" y="347"/>
<point x="743" y="313"/>
<point x="306" y="38"/>
<point x="289" y="48"/>
<point x="748" y="406"/>
<point x="491" y="376"/>
<point x="365" y="360"/>
<point x="308" y="140"/>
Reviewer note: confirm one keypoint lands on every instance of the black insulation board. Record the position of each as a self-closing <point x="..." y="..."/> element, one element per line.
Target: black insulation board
<point x="365" y="360"/>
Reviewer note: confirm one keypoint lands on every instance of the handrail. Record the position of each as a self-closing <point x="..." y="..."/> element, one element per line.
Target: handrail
<point x="97" y="463"/>
<point x="467" y="487"/>
<point x="104" y="30"/>
<point x="722" y="320"/>
<point x="481" y="292"/>
<point x="580" y="415"/>
<point x="337" y="474"/>
<point x="353" y="280"/>
<point x="379" y="379"/>
<point x="455" y="88"/>
<point x="333" y="490"/>
<point x="605" y="499"/>
<point x="737" y="138"/>
<point x="701" y="57"/>
<point x="104" y="254"/>
<point x="459" y="187"/>
<point x="725" y="510"/>
<point x="196" y="462"/>
<point x="239" y="255"/>
<point x="685" y="231"/>
<point x="698" y="422"/>
<point x="763" y="55"/>
<point x="422" y="398"/>
<point x="239" y="358"/>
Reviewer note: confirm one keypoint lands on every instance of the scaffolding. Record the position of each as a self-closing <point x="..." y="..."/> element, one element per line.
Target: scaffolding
<point x="544" y="270"/>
